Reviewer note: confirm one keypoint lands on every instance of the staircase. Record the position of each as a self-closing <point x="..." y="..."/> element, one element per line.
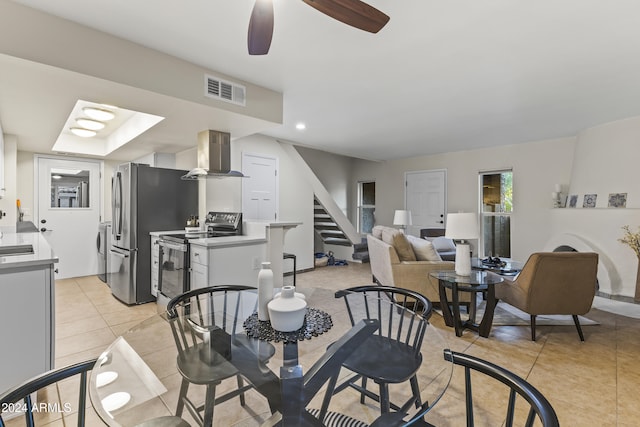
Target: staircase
<point x="330" y="222"/>
<point x="325" y="226"/>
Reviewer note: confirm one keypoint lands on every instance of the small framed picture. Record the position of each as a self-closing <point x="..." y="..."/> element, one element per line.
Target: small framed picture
<point x="573" y="200"/>
<point x="589" y="201"/>
<point x="617" y="200"/>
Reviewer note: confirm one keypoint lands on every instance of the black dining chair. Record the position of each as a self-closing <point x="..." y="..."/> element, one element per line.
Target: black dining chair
<point x="21" y="395"/>
<point x="204" y="324"/>
<point x="392" y="355"/>
<point x="520" y="391"/>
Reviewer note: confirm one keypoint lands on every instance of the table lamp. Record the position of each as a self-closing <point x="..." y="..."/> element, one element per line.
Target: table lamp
<point x="462" y="227"/>
<point x="402" y="218"/>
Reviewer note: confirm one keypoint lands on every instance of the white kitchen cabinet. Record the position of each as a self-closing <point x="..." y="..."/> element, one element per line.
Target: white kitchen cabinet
<point x="234" y="263"/>
<point x="27" y="313"/>
<point x="199" y="262"/>
<point x="155" y="260"/>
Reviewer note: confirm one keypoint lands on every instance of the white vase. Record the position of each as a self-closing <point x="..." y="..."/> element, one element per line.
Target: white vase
<point x="287" y="311"/>
<point x="265" y="290"/>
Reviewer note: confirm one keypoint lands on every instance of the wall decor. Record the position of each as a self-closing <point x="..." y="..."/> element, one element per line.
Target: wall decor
<point x="573" y="200"/>
<point x="617" y="200"/>
<point x="589" y="201"/>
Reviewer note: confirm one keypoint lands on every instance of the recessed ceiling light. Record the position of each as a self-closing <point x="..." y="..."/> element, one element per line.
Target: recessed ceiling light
<point x="90" y="123"/>
<point x="85" y="133"/>
<point x="56" y="177"/>
<point x="99" y="113"/>
<point x="301" y="126"/>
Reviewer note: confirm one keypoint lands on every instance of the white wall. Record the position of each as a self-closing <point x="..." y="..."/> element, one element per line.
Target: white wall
<point x="537" y="166"/>
<point x="295" y="195"/>
<point x="334" y="171"/>
<point x="607" y="162"/>
<point x="8" y="202"/>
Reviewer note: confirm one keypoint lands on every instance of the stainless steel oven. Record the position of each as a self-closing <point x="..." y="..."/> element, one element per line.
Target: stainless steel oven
<point x="173" y="265"/>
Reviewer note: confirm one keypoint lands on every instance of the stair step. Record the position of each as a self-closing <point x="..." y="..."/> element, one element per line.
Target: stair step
<point x="362" y="256"/>
<point x="335" y="241"/>
<point x="325" y="225"/>
<point x="322" y="215"/>
<point x="337" y="233"/>
<point x="360" y="247"/>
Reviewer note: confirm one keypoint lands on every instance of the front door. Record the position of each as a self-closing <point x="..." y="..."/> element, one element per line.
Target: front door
<point x="425" y="198"/>
<point x="68" y="212"/>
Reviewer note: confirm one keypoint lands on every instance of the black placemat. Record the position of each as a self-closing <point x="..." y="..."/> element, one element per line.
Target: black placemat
<point x="315" y="323"/>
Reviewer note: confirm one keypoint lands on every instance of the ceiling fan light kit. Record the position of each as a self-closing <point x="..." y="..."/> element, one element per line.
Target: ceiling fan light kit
<point x="351" y="12"/>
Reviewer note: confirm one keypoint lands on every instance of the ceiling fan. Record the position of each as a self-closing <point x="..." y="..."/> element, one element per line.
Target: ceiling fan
<point x="351" y="12"/>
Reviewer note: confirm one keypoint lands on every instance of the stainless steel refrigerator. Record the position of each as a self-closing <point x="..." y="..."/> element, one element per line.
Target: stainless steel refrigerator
<point x="144" y="199"/>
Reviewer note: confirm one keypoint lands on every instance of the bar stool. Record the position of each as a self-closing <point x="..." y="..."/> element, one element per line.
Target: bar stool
<point x="286" y="255"/>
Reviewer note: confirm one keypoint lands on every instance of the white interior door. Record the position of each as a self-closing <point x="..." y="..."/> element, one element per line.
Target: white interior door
<point x="69" y="212"/>
<point x="426" y="199"/>
<point x="260" y="189"/>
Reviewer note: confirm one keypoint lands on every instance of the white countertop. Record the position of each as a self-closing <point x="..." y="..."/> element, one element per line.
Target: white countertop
<point x="158" y="233"/>
<point x="42" y="252"/>
<point x="217" y="242"/>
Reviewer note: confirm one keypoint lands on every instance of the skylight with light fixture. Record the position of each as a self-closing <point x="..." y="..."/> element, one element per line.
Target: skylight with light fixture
<point x="97" y="129"/>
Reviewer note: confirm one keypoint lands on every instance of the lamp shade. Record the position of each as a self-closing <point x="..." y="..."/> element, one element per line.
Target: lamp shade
<point x="402" y="218"/>
<point x="462" y="226"/>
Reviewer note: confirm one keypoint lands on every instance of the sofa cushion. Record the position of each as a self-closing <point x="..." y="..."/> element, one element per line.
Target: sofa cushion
<point x="423" y="249"/>
<point x="398" y="240"/>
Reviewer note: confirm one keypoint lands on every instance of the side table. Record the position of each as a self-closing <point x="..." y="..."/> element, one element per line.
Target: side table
<point x="477" y="281"/>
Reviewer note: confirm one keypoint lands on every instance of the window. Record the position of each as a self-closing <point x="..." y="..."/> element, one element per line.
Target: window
<point x="366" y="206"/>
<point x="69" y="188"/>
<point x="496" y="206"/>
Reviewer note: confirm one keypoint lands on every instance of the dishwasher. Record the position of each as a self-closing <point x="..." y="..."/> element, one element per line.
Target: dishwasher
<point x="173" y="267"/>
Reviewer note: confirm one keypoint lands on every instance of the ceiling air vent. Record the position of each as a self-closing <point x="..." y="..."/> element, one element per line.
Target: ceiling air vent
<point x="224" y="90"/>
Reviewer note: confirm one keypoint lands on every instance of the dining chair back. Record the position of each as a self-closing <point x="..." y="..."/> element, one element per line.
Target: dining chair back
<point x="392" y="355"/>
<point x="204" y="326"/>
<point x="537" y="409"/>
<point x="21" y="395"/>
<point x="538" y="405"/>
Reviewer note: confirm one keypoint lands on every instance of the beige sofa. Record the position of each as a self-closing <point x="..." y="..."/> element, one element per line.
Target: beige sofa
<point x="394" y="262"/>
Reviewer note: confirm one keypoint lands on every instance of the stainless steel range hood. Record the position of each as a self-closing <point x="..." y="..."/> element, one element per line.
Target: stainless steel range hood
<point x="214" y="157"/>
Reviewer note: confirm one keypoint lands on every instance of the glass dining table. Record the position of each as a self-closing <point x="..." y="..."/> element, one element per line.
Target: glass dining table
<point x="136" y="380"/>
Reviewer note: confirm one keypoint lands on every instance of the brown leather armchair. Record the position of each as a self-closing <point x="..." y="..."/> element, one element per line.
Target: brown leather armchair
<point x="553" y="283"/>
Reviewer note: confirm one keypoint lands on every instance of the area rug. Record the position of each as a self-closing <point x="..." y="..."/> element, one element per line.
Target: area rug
<point x="508" y="315"/>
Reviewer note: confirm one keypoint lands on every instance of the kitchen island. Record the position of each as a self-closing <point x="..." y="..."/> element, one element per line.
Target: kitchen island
<point x="26" y="307"/>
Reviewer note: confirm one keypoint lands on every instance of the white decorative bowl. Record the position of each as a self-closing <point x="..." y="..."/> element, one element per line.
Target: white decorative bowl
<point x="287" y="311"/>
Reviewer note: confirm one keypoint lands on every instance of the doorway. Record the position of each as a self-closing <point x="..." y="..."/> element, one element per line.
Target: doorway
<point x="425" y="196"/>
<point x="68" y="194"/>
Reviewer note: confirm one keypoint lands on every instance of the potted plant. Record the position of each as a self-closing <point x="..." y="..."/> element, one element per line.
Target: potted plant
<point x="633" y="241"/>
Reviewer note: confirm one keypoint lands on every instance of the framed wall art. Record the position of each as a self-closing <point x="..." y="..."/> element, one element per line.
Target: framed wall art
<point x="617" y="200"/>
<point x="573" y="200"/>
<point x="589" y="201"/>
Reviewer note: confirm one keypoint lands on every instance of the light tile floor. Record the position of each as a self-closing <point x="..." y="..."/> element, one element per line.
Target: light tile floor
<point x="595" y="383"/>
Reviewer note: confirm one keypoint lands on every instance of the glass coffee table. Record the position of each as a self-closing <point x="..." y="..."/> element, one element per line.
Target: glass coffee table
<point x="477" y="281"/>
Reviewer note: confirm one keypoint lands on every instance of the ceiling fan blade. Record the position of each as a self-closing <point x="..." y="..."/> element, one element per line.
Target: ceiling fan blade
<point x="352" y="12"/>
<point x="260" y="27"/>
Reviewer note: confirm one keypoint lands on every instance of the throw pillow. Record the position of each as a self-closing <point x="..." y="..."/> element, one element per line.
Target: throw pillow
<point x="443" y="244"/>
<point x="376" y="231"/>
<point x="399" y="241"/>
<point x="423" y="249"/>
